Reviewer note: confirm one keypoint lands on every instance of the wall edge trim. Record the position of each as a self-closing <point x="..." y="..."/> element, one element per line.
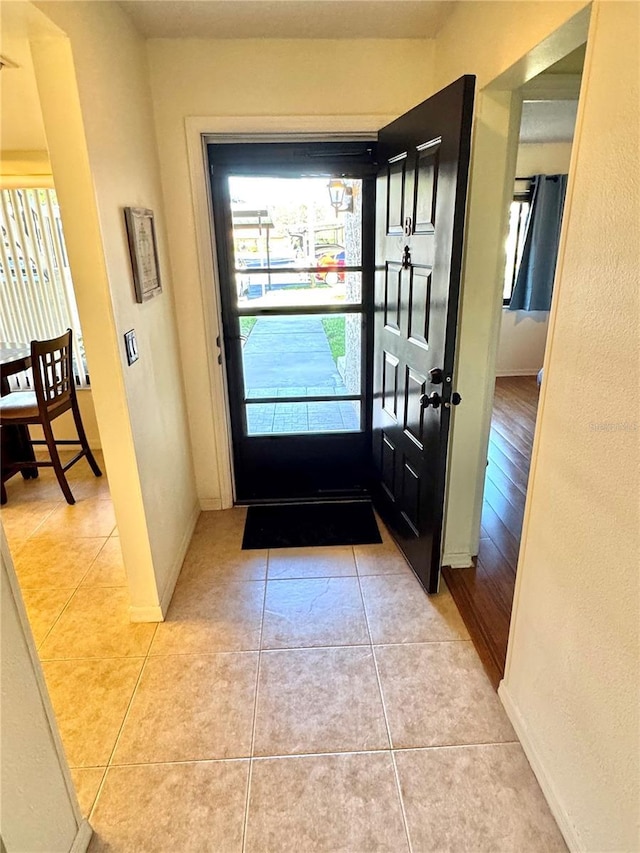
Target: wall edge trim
<point x="522" y="371"/>
<point x="83" y="837"/>
<point x="532" y="752"/>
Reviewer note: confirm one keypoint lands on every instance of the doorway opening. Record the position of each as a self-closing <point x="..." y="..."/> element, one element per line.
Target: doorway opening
<point x="388" y="436"/>
<point x="484" y="593"/>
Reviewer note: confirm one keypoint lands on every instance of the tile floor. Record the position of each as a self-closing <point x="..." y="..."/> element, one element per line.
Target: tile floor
<point x="294" y="700"/>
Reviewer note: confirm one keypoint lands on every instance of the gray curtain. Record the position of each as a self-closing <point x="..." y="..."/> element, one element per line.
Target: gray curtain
<point x="534" y="282"/>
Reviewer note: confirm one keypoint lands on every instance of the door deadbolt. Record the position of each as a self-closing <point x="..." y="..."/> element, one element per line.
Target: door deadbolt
<point x="436" y="376"/>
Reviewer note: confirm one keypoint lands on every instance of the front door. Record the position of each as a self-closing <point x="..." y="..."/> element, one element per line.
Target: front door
<point x="294" y="229"/>
<point x="420" y="204"/>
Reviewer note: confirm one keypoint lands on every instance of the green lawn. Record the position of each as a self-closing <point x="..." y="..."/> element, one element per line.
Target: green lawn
<point x="246" y="324"/>
<point x="334" y="330"/>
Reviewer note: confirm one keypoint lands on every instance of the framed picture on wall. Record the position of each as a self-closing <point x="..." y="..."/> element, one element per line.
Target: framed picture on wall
<point x="141" y="234"/>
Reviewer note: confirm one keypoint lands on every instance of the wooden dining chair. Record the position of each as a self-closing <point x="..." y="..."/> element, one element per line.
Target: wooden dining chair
<point x="54" y="393"/>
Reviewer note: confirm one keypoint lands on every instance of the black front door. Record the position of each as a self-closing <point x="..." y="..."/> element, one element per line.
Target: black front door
<point x="420" y="204"/>
<point x="294" y="231"/>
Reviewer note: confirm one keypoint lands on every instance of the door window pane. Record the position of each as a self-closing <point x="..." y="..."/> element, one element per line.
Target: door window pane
<point x="306" y="355"/>
<point x="312" y="417"/>
<point x="325" y="286"/>
<point x="289" y="227"/>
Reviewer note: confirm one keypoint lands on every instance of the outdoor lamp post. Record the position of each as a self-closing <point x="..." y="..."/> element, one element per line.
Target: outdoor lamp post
<point x="341" y="196"/>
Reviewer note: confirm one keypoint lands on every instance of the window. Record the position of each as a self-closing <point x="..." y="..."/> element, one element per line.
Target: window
<point x="518" y="213"/>
<point x="36" y="290"/>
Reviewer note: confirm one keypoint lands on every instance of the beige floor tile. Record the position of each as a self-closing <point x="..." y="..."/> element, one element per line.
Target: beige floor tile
<point x="87" y="782"/>
<point x="437" y="694"/>
<point x="339" y="803"/>
<point x="208" y="561"/>
<point x="84" y="483"/>
<point x="90" y="699"/>
<point x="223" y="617"/>
<point x="44" y="488"/>
<point x="21" y="520"/>
<point x="60" y="561"/>
<point x="190" y="707"/>
<point x="108" y="567"/>
<point x="383" y="559"/>
<point x="44" y="606"/>
<point x="87" y="517"/>
<point x="326" y="562"/>
<point x="313" y="612"/>
<point x="225" y="525"/>
<point x="399" y="611"/>
<point x="319" y="700"/>
<point x="182" y="808"/>
<point x="95" y="624"/>
<point x="480" y="798"/>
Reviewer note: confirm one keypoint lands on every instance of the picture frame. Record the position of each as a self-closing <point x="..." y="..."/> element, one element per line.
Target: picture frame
<point x="141" y="234"/>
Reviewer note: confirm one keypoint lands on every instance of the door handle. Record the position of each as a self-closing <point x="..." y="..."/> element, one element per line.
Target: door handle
<point x="434" y="399"/>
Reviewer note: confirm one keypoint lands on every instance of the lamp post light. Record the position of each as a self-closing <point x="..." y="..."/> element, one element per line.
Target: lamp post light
<point x="341" y="196"/>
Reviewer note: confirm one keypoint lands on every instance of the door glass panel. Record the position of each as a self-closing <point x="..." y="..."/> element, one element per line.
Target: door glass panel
<point x="291" y="245"/>
<point x="327" y="286"/>
<point x="302" y="417"/>
<point x="304" y="355"/>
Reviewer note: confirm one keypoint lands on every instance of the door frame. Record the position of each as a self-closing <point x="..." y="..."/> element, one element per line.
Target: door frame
<point x="199" y="132"/>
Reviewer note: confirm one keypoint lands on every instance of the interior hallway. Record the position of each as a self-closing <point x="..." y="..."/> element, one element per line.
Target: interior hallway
<point x="294" y="700"/>
<point x="484" y="593"/>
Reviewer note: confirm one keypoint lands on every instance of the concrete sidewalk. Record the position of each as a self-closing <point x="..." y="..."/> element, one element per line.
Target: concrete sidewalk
<point x="290" y="356"/>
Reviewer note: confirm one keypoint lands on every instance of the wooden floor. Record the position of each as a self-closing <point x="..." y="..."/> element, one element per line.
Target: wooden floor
<point x="484" y="594"/>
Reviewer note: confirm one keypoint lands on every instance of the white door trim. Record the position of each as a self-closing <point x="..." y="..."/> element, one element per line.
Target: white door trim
<point x="199" y="130"/>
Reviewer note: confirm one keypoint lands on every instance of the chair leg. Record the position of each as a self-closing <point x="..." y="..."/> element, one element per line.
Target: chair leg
<point x="83" y="439"/>
<point x="55" y="459"/>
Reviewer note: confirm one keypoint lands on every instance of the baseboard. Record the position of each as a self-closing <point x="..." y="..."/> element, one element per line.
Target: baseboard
<point x="170" y="585"/>
<point x="83" y="837"/>
<point x="209" y="504"/>
<point x="459" y="560"/>
<point x="148" y="613"/>
<point x="157" y="612"/>
<point x="532" y="752"/>
<point x="525" y="371"/>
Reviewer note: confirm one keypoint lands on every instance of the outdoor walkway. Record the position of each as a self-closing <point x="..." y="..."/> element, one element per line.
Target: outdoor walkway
<point x="290" y="356"/>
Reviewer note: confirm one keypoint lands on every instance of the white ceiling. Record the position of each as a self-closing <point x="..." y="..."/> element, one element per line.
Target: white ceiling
<point x="294" y="19"/>
<point x="548" y="121"/>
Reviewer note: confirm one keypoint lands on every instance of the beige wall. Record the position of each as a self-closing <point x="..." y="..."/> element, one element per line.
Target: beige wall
<point x="104" y="158"/>
<point x="572" y="669"/>
<point x="39" y="812"/>
<point x="256" y="78"/>
<point x="505" y="45"/>
<point x="523" y="334"/>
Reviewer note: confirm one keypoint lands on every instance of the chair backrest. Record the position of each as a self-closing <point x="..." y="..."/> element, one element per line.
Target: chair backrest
<point x="52" y="371"/>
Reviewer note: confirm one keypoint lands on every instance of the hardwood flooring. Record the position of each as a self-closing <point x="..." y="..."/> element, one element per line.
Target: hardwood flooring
<point x="484" y="593"/>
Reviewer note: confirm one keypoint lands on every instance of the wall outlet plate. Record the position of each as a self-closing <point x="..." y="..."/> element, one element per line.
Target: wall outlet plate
<point x="131" y="346"/>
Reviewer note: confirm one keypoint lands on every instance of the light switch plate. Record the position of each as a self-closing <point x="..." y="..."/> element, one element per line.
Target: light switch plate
<point x="131" y="346"/>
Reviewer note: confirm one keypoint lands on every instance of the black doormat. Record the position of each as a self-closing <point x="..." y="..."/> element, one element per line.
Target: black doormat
<point x="309" y="525"/>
